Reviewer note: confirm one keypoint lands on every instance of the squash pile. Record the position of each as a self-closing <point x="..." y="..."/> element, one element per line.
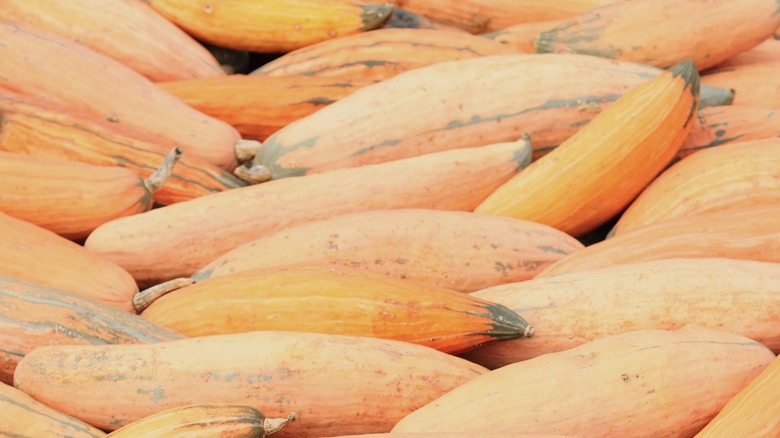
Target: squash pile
<point x="390" y="218"/>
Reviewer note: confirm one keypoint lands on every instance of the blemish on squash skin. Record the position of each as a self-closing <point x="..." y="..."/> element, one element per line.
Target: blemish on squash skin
<point x="157" y="394"/>
<point x="503" y="268"/>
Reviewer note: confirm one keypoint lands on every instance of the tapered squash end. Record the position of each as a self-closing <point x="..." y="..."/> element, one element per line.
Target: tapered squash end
<point x="273" y="425"/>
<point x="507" y="324"/>
<point x="687" y="70"/>
<point x="374" y="16"/>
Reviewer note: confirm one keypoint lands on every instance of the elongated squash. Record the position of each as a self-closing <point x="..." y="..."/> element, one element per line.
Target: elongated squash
<point x="766" y="51"/>
<point x="272" y="25"/>
<point x="127" y="30"/>
<point x="258" y="106"/>
<point x="466" y="103"/>
<point x="339" y="300"/>
<point x="645" y="383"/>
<point x="275" y="372"/>
<point x="31" y="253"/>
<point x="728" y="124"/>
<point x="72" y="198"/>
<point x="726" y="178"/>
<point x="380" y="54"/>
<point x="754" y="84"/>
<point x="457" y="250"/>
<point x="754" y="411"/>
<point x="35" y="315"/>
<point x="223" y="420"/>
<point x="179" y="239"/>
<point x="478" y="16"/>
<point x="598" y="171"/>
<point x="521" y="37"/>
<point x="570" y="309"/>
<point x="747" y="234"/>
<point x="38" y="127"/>
<point x="663" y="33"/>
<point x="45" y="65"/>
<point x="22" y="416"/>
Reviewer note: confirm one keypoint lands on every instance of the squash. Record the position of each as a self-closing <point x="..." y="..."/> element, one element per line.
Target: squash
<point x="179" y="239"/>
<point x="752" y="412"/>
<point x="258" y="106"/>
<point x="456" y="250"/>
<point x="35" y="315"/>
<point x="127" y="30"/>
<point x="726" y="178"/>
<point x="50" y="67"/>
<point x="31" y="253"/>
<point x="766" y="51"/>
<point x="746" y="234"/>
<point x="223" y="420"/>
<point x="755" y="84"/>
<point x="598" y="171"/>
<point x="664" y="33"/>
<point x="38" y="127"/>
<point x="22" y="416"/>
<point x="644" y="383"/>
<point x="567" y="310"/>
<point x="275" y="372"/>
<point x="453" y="104"/>
<point x="72" y="198"/>
<point x="379" y="54"/>
<point x="728" y="124"/>
<point x="271" y="26"/>
<point x="339" y="300"/>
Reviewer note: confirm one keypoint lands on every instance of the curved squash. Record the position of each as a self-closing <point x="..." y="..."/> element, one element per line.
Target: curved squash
<point x="456" y="250"/>
<point x="22" y="416"/>
<point x="380" y="54"/>
<point x="598" y="171"/>
<point x="571" y="309"/>
<point x="726" y="178"/>
<point x="746" y="234"/>
<point x="615" y="386"/>
<point x="36" y="315"/>
<point x="339" y="300"/>
<point x="39" y="127"/>
<point x="128" y="30"/>
<point x="277" y="372"/>
<point x="222" y="420"/>
<point x="179" y="239"/>
<point x="72" y="198"/>
<point x="50" y="67"/>
<point x="31" y="253"/>
<point x="663" y="33"/>
<point x="271" y="26"/>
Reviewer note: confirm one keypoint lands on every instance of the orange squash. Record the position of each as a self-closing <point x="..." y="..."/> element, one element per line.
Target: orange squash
<point x="222" y="420"/>
<point x="645" y="383"/>
<point x="456" y="250"/>
<point x="271" y="25"/>
<point x="179" y="239"/>
<point x="521" y="37"/>
<point x="35" y="315"/>
<point x="755" y="84"/>
<point x="454" y="104"/>
<point x="599" y="170"/>
<point x="380" y="54"/>
<point x="37" y="127"/>
<point x="31" y="253"/>
<point x="747" y="234"/>
<point x="127" y="30"/>
<point x="570" y="309"/>
<point x="726" y="178"/>
<point x="340" y="300"/>
<point x="22" y="416"/>
<point x="663" y="33"/>
<point x="275" y="372"/>
<point x="752" y="412"/>
<point x="728" y="124"/>
<point x="478" y="16"/>
<point x="767" y="51"/>
<point x="72" y="198"/>
<point x="50" y="67"/>
<point x="258" y="106"/>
